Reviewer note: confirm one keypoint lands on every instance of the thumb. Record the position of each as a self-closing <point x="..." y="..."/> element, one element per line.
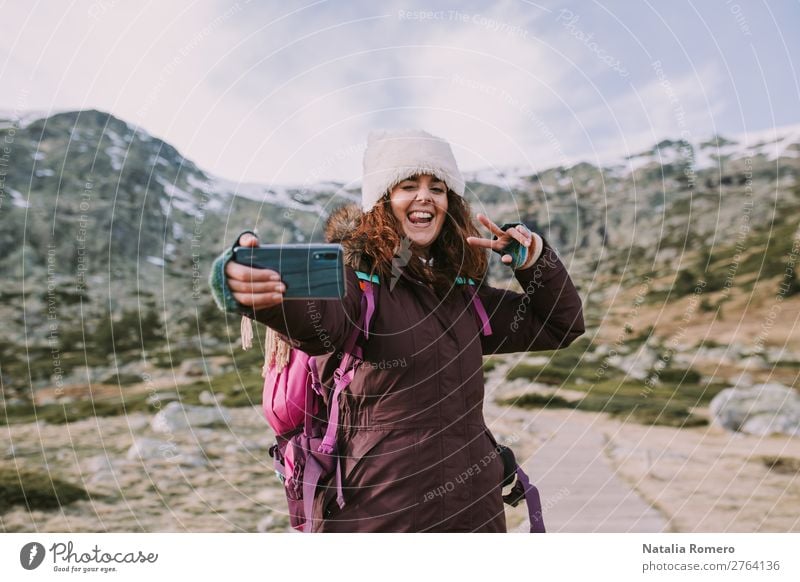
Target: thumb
<point x="248" y="240"/>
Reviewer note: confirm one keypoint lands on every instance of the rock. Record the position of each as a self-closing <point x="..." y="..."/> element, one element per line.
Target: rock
<point x="602" y="350"/>
<point x="98" y="463"/>
<point x="178" y="417"/>
<point x="773" y="423"/>
<point x="148" y="449"/>
<point x="206" y="397"/>
<point x="233" y="449"/>
<point x="137" y="421"/>
<point x="779" y="355"/>
<point x="761" y="410"/>
<point x="269" y="523"/>
<point x="104" y="480"/>
<point x="752" y="363"/>
<point x="199" y="367"/>
<point x="102" y="473"/>
<point x="721" y="355"/>
<point x="636" y="365"/>
<point x="162" y="397"/>
<point x="191" y="459"/>
<point x="192" y="368"/>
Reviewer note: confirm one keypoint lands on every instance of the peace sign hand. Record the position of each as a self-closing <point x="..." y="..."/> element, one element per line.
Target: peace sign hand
<point x="517" y="233"/>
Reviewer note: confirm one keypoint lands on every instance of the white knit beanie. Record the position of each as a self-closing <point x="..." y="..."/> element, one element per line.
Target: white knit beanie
<point x="394" y="155"/>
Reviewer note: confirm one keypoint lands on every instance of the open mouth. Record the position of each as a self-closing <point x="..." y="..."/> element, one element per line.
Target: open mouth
<point x="420" y="218"/>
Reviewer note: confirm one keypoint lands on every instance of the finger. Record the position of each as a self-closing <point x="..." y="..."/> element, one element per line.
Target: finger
<point x="480" y="242"/>
<point x="525" y="232"/>
<point x="248" y="240"/>
<point x="258" y="299"/>
<point x="519" y="235"/>
<point x="244" y="273"/>
<point x="485" y="221"/>
<point x="507" y="259"/>
<point x="258" y="287"/>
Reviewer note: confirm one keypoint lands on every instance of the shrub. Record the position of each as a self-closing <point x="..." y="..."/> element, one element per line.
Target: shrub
<point x="620" y="405"/>
<point x="680" y="376"/>
<point x="489" y="364"/>
<point x="35" y="490"/>
<point x="536" y="400"/>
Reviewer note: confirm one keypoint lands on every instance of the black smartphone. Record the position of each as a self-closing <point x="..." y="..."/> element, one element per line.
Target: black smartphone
<point x="309" y="271"/>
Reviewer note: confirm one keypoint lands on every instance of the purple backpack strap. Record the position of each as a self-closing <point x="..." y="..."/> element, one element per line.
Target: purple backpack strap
<point x="523" y="488"/>
<point x="313" y="469"/>
<point x="316" y="384"/>
<point x="480" y="310"/>
<point x="311" y="475"/>
<point x="343" y="375"/>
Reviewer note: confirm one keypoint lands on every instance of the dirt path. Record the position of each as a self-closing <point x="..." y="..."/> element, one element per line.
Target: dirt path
<point x="598" y="474"/>
<point x="580" y="490"/>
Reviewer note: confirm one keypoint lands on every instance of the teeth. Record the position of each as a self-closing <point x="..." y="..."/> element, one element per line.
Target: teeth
<point x="420" y="214"/>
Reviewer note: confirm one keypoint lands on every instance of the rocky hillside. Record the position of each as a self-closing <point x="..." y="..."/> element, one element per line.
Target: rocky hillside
<point x="107" y="234"/>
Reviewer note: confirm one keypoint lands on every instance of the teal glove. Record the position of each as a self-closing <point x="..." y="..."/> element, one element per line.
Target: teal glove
<point x="518" y="251"/>
<point x="218" y="282"/>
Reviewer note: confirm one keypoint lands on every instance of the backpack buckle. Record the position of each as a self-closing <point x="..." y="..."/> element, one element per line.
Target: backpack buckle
<point x="316" y="387"/>
<point x="516" y="495"/>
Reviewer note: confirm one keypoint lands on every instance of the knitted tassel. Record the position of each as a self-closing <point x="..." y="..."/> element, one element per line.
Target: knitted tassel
<point x="276" y="352"/>
<point x="246" y="330"/>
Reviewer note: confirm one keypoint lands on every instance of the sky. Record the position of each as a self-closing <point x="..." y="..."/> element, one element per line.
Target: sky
<point x="286" y="92"/>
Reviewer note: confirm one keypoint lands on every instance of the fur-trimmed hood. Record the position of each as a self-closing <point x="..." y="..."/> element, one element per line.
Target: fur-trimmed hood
<point x="342" y="220"/>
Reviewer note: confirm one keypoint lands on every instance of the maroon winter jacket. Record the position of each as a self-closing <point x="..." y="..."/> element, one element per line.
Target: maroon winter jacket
<point x="417" y="453"/>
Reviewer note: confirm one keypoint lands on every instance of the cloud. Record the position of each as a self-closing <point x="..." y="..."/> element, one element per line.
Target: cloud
<point x="287" y="92"/>
<point x="664" y="106"/>
<point x="467" y="75"/>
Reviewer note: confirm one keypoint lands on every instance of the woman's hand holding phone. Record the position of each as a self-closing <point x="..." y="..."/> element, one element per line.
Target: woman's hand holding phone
<point x="256" y="288"/>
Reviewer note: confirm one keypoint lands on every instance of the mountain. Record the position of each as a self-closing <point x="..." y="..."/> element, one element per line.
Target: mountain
<point x="107" y="232"/>
<point x="104" y="212"/>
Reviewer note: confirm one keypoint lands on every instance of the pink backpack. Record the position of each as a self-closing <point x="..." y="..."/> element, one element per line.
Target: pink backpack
<point x="294" y="405"/>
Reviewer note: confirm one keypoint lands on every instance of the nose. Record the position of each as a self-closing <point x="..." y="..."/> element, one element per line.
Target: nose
<point x="423" y="194"/>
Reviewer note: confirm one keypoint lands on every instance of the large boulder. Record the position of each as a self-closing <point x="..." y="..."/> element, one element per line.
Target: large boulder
<point x="179" y="417"/>
<point x="761" y="410"/>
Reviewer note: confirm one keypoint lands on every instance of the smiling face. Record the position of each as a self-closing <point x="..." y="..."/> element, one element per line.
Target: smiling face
<point x="420" y="205"/>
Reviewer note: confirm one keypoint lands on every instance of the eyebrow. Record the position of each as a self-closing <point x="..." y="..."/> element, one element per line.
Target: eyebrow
<point x="416" y="179"/>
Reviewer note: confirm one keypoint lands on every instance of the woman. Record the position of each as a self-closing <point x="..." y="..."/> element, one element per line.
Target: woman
<point x="417" y="453"/>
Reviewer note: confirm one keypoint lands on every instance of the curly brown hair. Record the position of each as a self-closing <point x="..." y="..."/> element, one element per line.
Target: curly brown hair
<point x="385" y="246"/>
